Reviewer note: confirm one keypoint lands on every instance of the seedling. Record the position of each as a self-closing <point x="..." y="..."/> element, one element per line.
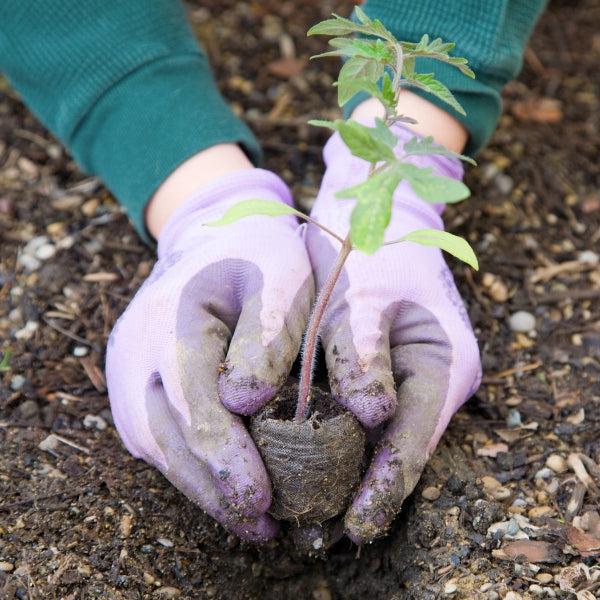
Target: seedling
<point x="382" y="66"/>
<point x="315" y="464"/>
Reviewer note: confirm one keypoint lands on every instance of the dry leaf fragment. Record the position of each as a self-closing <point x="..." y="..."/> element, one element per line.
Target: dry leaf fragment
<point x="538" y="110"/>
<point x="94" y="373"/>
<point x="533" y="551"/>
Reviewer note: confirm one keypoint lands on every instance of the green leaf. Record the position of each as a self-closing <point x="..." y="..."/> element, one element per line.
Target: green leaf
<point x="388" y="93"/>
<point x="336" y="26"/>
<point x="250" y="208"/>
<point x="359" y="67"/>
<point x="383" y="133"/>
<point x="364" y="142"/>
<point x="427" y="82"/>
<point x="361" y="16"/>
<point x="418" y="146"/>
<point x="430" y="187"/>
<point x="5" y="362"/>
<point x="322" y="123"/>
<point x="373" y="209"/>
<point x="437" y="50"/>
<point x="449" y="242"/>
<point x="349" y="87"/>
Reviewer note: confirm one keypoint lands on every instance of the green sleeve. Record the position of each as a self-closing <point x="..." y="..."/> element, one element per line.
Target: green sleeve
<point x="491" y="34"/>
<point x="122" y="83"/>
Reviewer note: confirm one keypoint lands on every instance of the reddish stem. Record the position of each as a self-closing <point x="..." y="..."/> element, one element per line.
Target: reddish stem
<point x="312" y="332"/>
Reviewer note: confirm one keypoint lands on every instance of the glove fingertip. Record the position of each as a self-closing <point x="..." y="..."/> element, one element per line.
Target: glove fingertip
<point x="370" y="409"/>
<point x="258" y="530"/>
<point x="244" y="396"/>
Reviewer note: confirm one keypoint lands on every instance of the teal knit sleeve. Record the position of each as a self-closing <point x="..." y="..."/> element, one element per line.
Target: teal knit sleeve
<point x="122" y="83"/>
<point x="491" y="34"/>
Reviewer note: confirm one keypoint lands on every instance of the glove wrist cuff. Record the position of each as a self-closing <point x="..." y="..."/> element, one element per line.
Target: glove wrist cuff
<point x="212" y="200"/>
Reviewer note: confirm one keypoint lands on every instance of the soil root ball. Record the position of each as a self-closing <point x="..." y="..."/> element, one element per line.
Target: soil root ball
<point x="315" y="465"/>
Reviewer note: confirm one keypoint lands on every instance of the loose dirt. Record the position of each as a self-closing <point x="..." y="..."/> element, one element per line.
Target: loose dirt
<point x="83" y="519"/>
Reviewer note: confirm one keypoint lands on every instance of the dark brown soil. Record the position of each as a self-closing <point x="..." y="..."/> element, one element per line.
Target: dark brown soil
<point x="314" y="465"/>
<point x="88" y="521"/>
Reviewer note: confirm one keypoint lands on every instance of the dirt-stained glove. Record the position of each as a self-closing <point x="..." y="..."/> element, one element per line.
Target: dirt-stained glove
<point x="214" y="329"/>
<point x="397" y="338"/>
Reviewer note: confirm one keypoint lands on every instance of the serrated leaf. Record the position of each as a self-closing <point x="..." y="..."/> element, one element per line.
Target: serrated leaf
<point x="431" y="187"/>
<point x="342" y="26"/>
<point x="364" y="142"/>
<point x="384" y="134"/>
<point x="373" y="210"/>
<point x="448" y="242"/>
<point x="348" y="87"/>
<point x="336" y="26"/>
<point x="359" y="67"/>
<point x="427" y="82"/>
<point x="361" y="16"/>
<point x="419" y="146"/>
<point x="250" y="208"/>
<point x="388" y="93"/>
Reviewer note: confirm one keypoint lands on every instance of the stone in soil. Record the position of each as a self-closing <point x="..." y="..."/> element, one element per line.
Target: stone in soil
<point x="522" y="322"/>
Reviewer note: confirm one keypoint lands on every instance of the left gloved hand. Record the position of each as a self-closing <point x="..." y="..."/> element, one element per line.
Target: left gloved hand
<point x="397" y="338"/>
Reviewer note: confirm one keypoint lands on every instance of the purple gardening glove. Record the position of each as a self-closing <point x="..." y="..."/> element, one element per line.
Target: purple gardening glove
<point x="216" y="326"/>
<point x="397" y="338"/>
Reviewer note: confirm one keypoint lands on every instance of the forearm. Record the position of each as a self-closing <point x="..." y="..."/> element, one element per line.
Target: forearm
<point x="491" y="35"/>
<point x="124" y="85"/>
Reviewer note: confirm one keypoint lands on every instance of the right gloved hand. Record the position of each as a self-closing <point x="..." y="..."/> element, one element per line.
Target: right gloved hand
<point x="215" y="328"/>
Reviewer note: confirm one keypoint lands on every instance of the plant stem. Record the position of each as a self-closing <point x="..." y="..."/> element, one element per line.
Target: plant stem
<point x="312" y="332"/>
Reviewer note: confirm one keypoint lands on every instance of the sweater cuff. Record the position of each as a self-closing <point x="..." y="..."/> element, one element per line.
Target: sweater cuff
<point x="150" y="122"/>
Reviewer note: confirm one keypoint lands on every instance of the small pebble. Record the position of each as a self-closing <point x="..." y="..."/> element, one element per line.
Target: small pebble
<point x="450" y="588"/>
<point x="498" y="292"/>
<point x="29" y="263"/>
<point x="544" y="578"/>
<point x="80" y="351"/>
<point x="501" y="493"/>
<point x="513" y="596"/>
<point x="94" y="422"/>
<point x="557" y="463"/>
<point x="514" y="418"/>
<point x="167" y="543"/>
<point x="486" y="587"/>
<point x="431" y="493"/>
<point x="522" y="321"/>
<point x="148" y="579"/>
<point x="536" y="589"/>
<point x="27" y="332"/>
<point x="537" y="512"/>
<point x="504" y="183"/>
<point x="7" y="567"/>
<point x="29" y="409"/>
<point x="167" y="592"/>
<point x="490" y="483"/>
<point x="589" y="256"/>
<point x="17" y="382"/>
<point x="45" y="252"/>
<point x="544" y="473"/>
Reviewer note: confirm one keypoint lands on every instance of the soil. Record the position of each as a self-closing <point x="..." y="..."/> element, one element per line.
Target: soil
<point x="83" y="519"/>
<point x="314" y="465"/>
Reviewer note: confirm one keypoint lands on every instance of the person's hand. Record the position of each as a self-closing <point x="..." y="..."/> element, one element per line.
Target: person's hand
<point x="397" y="338"/>
<point x="215" y="328"/>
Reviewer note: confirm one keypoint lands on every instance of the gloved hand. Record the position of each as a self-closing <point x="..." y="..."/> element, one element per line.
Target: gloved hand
<point x="397" y="338"/>
<point x="216" y="326"/>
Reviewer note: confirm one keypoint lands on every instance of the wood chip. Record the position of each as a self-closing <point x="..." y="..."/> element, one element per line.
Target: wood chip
<point x="538" y="110"/>
<point x="492" y="450"/>
<point x="532" y="551"/>
<point x="100" y="277"/>
<point x="286" y="67"/>
<point x="576" y="501"/>
<point x="585" y="543"/>
<point x="94" y="373"/>
<point x="576" y="464"/>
